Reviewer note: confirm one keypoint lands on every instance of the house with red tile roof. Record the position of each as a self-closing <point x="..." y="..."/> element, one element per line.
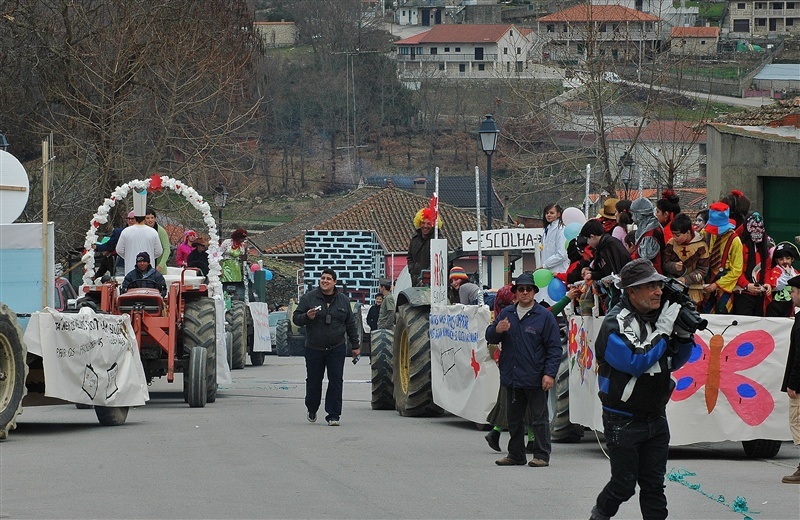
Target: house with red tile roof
<point x="681" y="145"/>
<point x="694" y="41"/>
<point x="465" y="51"/>
<point x="389" y="212"/>
<point x="612" y="33"/>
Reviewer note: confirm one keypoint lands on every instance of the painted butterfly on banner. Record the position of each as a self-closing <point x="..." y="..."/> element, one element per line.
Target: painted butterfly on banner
<point x="716" y="367"/>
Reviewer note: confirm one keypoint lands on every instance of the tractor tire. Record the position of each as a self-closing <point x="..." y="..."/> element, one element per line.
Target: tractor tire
<point x="195" y="384"/>
<point x="237" y="319"/>
<point x="561" y="430"/>
<point x="257" y="358"/>
<point x="380" y="361"/>
<point x="411" y="363"/>
<point x="199" y="330"/>
<point x="761" y="448"/>
<point x="282" y="338"/>
<point x="297" y="346"/>
<point x="111" y="415"/>
<point x="13" y="368"/>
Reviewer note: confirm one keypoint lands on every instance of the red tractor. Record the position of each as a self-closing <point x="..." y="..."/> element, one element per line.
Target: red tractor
<point x="176" y="333"/>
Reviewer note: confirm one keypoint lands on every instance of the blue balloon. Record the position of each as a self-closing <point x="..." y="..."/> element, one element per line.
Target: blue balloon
<point x="267" y="274"/>
<point x="556" y="289"/>
<point x="572" y="230"/>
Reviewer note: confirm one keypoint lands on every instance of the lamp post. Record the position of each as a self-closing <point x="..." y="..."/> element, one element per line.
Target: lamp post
<point x="626" y="166"/>
<point x="220" y="199"/>
<point x="3" y="143"/>
<point x="488" y="132"/>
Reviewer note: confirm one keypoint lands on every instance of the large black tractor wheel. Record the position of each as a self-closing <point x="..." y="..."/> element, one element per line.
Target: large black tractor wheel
<point x="561" y="430"/>
<point x="256" y="358"/>
<point x="195" y="384"/>
<point x="237" y="320"/>
<point x="359" y="326"/>
<point x="199" y="330"/>
<point x="282" y="338"/>
<point x="111" y="415"/>
<point x="411" y="363"/>
<point x="380" y="361"/>
<point x="761" y="448"/>
<point x="13" y="370"/>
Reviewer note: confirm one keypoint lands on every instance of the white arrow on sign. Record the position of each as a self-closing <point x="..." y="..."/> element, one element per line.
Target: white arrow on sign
<point x="501" y="239"/>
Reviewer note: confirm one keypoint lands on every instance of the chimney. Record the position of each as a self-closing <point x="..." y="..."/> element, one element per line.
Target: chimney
<point x="420" y="186"/>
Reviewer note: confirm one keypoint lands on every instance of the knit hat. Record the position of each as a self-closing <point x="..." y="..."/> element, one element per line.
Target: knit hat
<point x="143" y="257"/>
<point x="718" y="223"/>
<point x="638" y="272"/>
<point x="458" y="273"/>
<point x="610" y="208"/>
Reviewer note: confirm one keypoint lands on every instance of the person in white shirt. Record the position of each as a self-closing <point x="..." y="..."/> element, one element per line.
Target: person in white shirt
<point x="136" y="239"/>
<point x="554" y="250"/>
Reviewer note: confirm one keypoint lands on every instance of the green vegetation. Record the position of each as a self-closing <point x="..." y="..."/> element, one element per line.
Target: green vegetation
<point x="709" y="11"/>
<point x="721" y="71"/>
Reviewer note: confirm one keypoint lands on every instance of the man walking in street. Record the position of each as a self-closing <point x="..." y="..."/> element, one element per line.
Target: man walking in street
<point x="640" y="343"/>
<point x="329" y="321"/>
<point x="528" y="367"/>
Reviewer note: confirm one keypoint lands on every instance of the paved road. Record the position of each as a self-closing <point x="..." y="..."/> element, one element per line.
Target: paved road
<point x="252" y="454"/>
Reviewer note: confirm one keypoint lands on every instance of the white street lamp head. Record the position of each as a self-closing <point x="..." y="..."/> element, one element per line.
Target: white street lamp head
<point x="488" y="132"/>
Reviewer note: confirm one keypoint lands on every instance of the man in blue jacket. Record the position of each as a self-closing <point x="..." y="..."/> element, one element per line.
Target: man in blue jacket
<point x="640" y="343"/>
<point x="529" y="362"/>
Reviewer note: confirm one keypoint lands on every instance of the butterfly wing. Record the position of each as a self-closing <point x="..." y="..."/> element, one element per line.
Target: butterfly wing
<point x="749" y="399"/>
<point x="694" y="374"/>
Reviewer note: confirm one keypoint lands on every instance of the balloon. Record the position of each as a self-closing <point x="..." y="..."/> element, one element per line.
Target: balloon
<point x="566" y="244"/>
<point x="255" y="267"/>
<point x="572" y="231"/>
<point x="542" y="277"/>
<point x="571" y="215"/>
<point x="557" y="289"/>
<point x="267" y="274"/>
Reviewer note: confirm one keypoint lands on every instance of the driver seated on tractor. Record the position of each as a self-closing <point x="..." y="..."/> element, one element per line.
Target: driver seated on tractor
<point x="144" y="276"/>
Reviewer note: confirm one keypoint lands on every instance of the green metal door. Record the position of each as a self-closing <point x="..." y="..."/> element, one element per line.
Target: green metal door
<point x="781" y="212"/>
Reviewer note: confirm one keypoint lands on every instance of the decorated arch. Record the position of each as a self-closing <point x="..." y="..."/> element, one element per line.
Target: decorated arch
<point x="156" y="183"/>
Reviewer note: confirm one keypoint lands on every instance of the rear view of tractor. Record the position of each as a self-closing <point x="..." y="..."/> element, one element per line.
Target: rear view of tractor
<point x="174" y="334"/>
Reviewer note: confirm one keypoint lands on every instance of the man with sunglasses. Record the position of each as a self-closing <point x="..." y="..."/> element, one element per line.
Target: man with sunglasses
<point x="329" y="321"/>
<point x="640" y="343"/>
<point x="528" y="366"/>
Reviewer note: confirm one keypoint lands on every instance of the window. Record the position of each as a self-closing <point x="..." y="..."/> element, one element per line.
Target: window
<point x="777" y="6"/>
<point x="405" y="51"/>
<point x="741" y="26"/>
<point x="603" y="28"/>
<point x="434" y="51"/>
<point x="508" y="66"/>
<point x="789" y="22"/>
<point x="701" y="148"/>
<point x="447" y="49"/>
<point x="761" y="22"/>
<point x="505" y="50"/>
<point x="462" y="67"/>
<point x="458" y="49"/>
<point x="551" y="28"/>
<point x="790" y="5"/>
<point x="740" y="5"/>
<point x="579" y="49"/>
<point x="761" y="5"/>
<point x="511" y="33"/>
<point x="481" y="66"/>
<point x="684" y="151"/>
<point x="518" y="67"/>
<point x="519" y="51"/>
<point x="702" y="42"/>
<point x="441" y="66"/>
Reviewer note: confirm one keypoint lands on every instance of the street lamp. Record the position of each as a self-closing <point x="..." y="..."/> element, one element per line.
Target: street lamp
<point x="489" y="132"/>
<point x="3" y="143"/>
<point x="625" y="164"/>
<point x="220" y="199"/>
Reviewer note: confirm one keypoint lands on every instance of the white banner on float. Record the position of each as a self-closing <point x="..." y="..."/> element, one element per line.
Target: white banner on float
<point x="464" y="377"/>
<point x="729" y="389"/>
<point x="88" y="358"/>
<point x="262" y="340"/>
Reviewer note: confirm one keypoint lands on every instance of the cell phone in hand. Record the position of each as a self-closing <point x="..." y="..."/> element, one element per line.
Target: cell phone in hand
<point x="355" y="359"/>
<point x="317" y="308"/>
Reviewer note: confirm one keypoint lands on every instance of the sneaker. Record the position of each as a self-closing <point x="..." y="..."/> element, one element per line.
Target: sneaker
<point x="311" y="416"/>
<point x="538" y="463"/>
<point x="333" y="422"/>
<point x="794" y="478"/>
<point x="506" y="461"/>
<point x="493" y="438"/>
<point x="529" y="447"/>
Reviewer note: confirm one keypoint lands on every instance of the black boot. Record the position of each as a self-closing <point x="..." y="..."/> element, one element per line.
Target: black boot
<point x="493" y="439"/>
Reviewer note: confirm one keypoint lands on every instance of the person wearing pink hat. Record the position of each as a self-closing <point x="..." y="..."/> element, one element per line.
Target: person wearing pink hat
<point x="185" y="247"/>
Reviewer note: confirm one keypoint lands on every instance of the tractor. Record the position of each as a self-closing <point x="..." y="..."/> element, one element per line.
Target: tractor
<point x="174" y="334"/>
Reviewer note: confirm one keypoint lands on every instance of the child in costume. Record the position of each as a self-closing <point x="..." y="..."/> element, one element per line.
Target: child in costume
<point x="724" y="261"/>
<point x="686" y="256"/>
<point x="782" y="256"/>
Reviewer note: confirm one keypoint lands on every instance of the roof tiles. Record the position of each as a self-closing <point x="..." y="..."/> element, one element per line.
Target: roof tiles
<point x="598" y="13"/>
<point x="466" y="33"/>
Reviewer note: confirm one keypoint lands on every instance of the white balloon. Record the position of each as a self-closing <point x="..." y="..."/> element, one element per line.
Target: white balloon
<point x="571" y="215"/>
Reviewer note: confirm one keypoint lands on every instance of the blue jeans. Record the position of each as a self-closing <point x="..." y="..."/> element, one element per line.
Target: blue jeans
<point x="638" y="448"/>
<point x="517" y="401"/>
<point x="317" y="362"/>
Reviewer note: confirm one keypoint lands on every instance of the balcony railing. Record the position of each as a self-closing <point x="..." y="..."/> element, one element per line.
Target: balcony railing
<point x="449" y="57"/>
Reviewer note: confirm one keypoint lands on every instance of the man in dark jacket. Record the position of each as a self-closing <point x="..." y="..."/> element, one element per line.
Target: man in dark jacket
<point x="791" y="378"/>
<point x="144" y="276"/>
<point x="610" y="256"/>
<point x="528" y="367"/>
<point x="329" y="321"/>
<point x="640" y="343"/>
<point x="419" y="248"/>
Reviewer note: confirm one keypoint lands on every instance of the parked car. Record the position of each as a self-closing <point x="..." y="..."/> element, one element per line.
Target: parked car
<point x="274" y="318"/>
